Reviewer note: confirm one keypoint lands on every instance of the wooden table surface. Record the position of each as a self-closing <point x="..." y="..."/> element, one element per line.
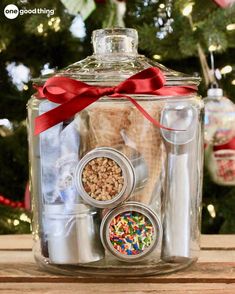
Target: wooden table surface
<point x="214" y="273"/>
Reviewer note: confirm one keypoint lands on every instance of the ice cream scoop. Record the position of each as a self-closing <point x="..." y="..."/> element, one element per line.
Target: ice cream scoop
<point x="176" y="219"/>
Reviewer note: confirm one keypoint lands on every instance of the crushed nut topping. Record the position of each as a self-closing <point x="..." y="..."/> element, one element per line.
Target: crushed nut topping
<point x="102" y="178"/>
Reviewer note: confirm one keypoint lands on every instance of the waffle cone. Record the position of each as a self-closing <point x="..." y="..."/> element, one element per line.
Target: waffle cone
<point x="146" y="139"/>
<point x="106" y="124"/>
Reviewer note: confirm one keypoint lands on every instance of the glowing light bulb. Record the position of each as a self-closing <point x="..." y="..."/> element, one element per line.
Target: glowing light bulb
<point x="214" y="47"/>
<point x="56" y="23"/>
<point x="230" y="27"/>
<point x="40" y="28"/>
<point x="226" y="69"/>
<point x="16" y="222"/>
<point x="233" y="82"/>
<point x="187" y="9"/>
<point x="156" y="56"/>
<point x="25" y="218"/>
<point x="162" y="5"/>
<point x="211" y="210"/>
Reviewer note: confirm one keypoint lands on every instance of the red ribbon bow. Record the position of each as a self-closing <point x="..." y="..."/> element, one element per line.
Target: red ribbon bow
<point x="74" y="95"/>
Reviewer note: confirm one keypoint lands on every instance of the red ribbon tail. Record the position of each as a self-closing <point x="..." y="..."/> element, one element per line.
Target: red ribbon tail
<point x="145" y="113"/>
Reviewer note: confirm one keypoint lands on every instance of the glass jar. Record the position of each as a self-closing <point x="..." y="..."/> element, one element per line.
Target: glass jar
<point x="112" y="193"/>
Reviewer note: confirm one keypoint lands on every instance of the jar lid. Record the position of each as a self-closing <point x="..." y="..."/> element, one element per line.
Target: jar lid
<point x="131" y="231"/>
<point x="115" y="59"/>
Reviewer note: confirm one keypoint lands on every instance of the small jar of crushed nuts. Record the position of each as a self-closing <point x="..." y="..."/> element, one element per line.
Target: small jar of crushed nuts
<point x="106" y="177"/>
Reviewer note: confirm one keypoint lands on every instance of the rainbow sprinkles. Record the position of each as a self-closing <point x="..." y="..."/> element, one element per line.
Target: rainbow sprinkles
<point x="131" y="233"/>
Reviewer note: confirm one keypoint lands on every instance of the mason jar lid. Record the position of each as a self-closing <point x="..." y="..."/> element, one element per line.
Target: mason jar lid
<point x="115" y="59"/>
<point x="128" y="175"/>
<point x="130" y="248"/>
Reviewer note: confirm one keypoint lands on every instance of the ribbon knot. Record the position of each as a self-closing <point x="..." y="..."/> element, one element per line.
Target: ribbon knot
<point x="107" y="91"/>
<point x="74" y="96"/>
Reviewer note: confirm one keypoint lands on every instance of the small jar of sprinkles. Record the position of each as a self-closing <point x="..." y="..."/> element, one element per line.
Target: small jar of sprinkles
<point x="131" y="231"/>
<point x="105" y="177"/>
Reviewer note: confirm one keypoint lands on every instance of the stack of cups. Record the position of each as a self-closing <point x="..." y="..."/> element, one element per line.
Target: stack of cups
<point x="72" y="234"/>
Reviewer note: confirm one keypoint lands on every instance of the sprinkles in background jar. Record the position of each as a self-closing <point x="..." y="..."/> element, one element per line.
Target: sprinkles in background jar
<point x="131" y="231"/>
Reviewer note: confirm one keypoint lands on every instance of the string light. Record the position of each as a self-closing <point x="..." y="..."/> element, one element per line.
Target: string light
<point x="162" y="5"/>
<point x="213" y="48"/>
<point x="233" y="82"/>
<point x="2" y="46"/>
<point x="211" y="210"/>
<point x="156" y="56"/>
<point x="25" y="218"/>
<point x="25" y="87"/>
<point x="16" y="222"/>
<point x="50" y="22"/>
<point x="188" y="9"/>
<point x="54" y="22"/>
<point x="230" y="27"/>
<point x="40" y="28"/>
<point x="226" y="69"/>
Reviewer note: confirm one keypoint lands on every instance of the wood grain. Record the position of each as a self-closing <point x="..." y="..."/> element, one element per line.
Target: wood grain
<point x="208" y="255"/>
<point x="206" y="272"/>
<point x="209" y="242"/>
<point x="218" y="242"/>
<point x="16" y="242"/>
<point x="214" y="273"/>
<point x="107" y="288"/>
<point x="10" y="256"/>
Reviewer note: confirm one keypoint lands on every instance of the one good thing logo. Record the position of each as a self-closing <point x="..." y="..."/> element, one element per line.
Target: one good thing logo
<point x="11" y="11"/>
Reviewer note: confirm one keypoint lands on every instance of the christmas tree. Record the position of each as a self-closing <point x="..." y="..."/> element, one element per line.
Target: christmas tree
<point x="180" y="34"/>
